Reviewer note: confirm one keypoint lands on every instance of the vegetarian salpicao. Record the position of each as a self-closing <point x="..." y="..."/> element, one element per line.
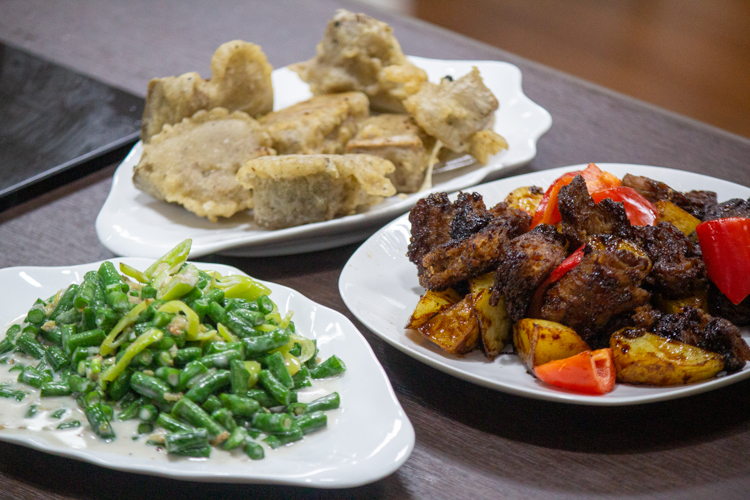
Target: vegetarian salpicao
<point x="200" y="360"/>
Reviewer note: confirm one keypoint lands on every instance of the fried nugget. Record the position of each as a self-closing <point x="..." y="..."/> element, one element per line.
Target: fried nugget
<point x="399" y="139"/>
<point x="360" y="53"/>
<point x="240" y="81"/>
<point x="454" y="111"/>
<point x="320" y="125"/>
<point x="299" y="189"/>
<point x="195" y="162"/>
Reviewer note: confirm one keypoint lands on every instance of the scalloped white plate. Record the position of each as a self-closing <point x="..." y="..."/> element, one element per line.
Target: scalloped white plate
<point x="368" y="438"/>
<point x="380" y="287"/>
<point x="134" y="224"/>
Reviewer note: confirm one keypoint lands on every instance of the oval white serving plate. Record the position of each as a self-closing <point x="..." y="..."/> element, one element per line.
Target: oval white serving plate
<point x="368" y="438"/>
<point x="134" y="224"/>
<point x="380" y="287"/>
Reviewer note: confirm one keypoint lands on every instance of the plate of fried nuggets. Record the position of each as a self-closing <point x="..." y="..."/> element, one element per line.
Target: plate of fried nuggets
<point x="302" y="125"/>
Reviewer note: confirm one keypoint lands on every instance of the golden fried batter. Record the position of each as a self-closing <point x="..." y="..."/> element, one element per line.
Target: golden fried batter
<point x="454" y="111"/>
<point x="195" y="162"/>
<point x="299" y="189"/>
<point x="360" y="53"/>
<point x="322" y="124"/>
<point x="240" y="81"/>
<point x="399" y="139"/>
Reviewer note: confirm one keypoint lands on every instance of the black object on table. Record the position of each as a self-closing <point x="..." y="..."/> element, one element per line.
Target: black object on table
<point x="57" y="125"/>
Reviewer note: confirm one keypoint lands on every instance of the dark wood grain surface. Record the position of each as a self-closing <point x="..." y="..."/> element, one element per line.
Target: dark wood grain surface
<point x="471" y="442"/>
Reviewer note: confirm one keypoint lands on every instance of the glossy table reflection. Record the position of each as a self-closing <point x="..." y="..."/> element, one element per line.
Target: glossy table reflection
<point x="471" y="442"/>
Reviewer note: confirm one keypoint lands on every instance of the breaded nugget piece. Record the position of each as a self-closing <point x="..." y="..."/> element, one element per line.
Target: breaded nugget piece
<point x="360" y="53"/>
<point x="240" y="81"/>
<point x="300" y="189"/>
<point x="453" y="111"/>
<point x="195" y="162"/>
<point x="399" y="139"/>
<point x="320" y="125"/>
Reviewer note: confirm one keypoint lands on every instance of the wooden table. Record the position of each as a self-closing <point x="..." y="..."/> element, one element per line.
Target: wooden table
<point x="471" y="442"/>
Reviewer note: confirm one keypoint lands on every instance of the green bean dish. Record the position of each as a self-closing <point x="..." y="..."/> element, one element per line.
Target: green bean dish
<point x="198" y="360"/>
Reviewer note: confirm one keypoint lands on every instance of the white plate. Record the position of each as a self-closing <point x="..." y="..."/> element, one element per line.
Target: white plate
<point x="380" y="286"/>
<point x="134" y="224"/>
<point x="368" y="438"/>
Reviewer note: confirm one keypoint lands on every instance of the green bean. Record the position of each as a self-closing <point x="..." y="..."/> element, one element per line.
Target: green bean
<point x="253" y="449"/>
<point x="86" y="292"/>
<point x="236" y="439"/>
<point x="28" y="344"/>
<point x="99" y="422"/>
<point x="239" y="326"/>
<point x="186" y="355"/>
<point x="208" y="384"/>
<point x="148" y="413"/>
<point x="91" y="338"/>
<point x="273" y="422"/>
<point x="70" y="424"/>
<point x="221" y="359"/>
<point x="56" y="358"/>
<point x="181" y="441"/>
<point x="30" y="376"/>
<point x="169" y="375"/>
<point x="148" y="386"/>
<point x="9" y="393"/>
<point x="325" y="403"/>
<point x="36" y="314"/>
<point x="312" y="421"/>
<point x="204" y="452"/>
<point x="262" y="397"/>
<point x="6" y="345"/>
<point x="302" y="378"/>
<point x="296" y="409"/>
<point x="111" y="279"/>
<point x="276" y="389"/>
<point x="253" y="318"/>
<point x="65" y="302"/>
<point x="32" y="411"/>
<point x="277" y="440"/>
<point x="95" y="396"/>
<point x="212" y="403"/>
<point x="328" y="368"/>
<point x="59" y="413"/>
<point x="276" y="366"/>
<point x="225" y="418"/>
<point x="131" y="411"/>
<point x="217" y="346"/>
<point x="265" y="304"/>
<point x="190" y="374"/>
<point x="240" y="376"/>
<point x="52" y="389"/>
<point x="80" y="384"/>
<point x="239" y="405"/>
<point x="193" y="414"/>
<point x="145" y="428"/>
<point x="171" y="424"/>
<point x="120" y="386"/>
<point x="262" y="344"/>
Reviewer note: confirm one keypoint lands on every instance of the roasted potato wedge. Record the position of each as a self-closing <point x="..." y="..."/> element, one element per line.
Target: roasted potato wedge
<point x="539" y="341"/>
<point x="526" y="198"/>
<point x="454" y="329"/>
<point x="669" y="212"/>
<point x="494" y="323"/>
<point x="675" y="306"/>
<point x="430" y="304"/>
<point x="644" y="358"/>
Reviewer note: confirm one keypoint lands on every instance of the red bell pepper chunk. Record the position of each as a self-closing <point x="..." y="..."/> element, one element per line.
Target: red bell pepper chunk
<point x="641" y="212"/>
<point x="596" y="180"/>
<point x="572" y="261"/>
<point x="725" y="244"/>
<point x="590" y="372"/>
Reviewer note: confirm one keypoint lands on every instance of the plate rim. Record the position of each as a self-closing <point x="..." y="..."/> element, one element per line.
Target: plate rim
<point x="405" y="440"/>
<point x="545" y="393"/>
<point x="324" y="234"/>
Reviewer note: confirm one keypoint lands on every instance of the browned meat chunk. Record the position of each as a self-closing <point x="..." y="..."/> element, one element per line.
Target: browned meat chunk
<point x="678" y="270"/>
<point x="471" y="216"/>
<point x="457" y="260"/>
<point x="694" y="202"/>
<point x="528" y="261"/>
<point x="582" y="218"/>
<point x="605" y="284"/>
<point x="720" y="305"/>
<point x="693" y="326"/>
<point x="430" y="222"/>
<point x="735" y="207"/>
